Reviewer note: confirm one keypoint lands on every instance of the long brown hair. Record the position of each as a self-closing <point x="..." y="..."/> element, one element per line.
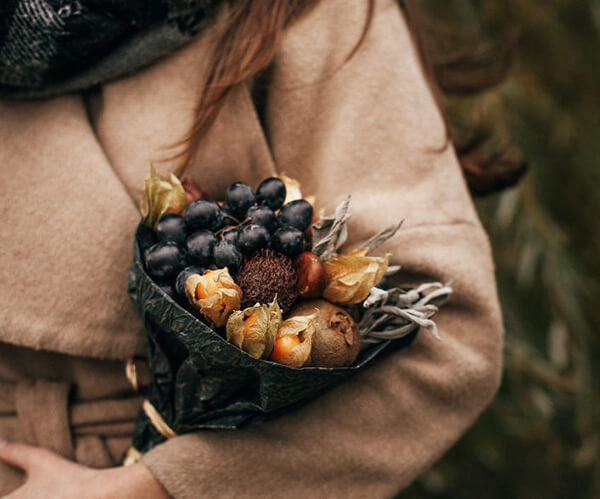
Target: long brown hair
<point x="457" y="65"/>
<point x="248" y="43"/>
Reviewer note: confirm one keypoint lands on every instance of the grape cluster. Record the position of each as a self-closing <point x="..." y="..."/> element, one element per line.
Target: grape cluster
<point x="210" y="234"/>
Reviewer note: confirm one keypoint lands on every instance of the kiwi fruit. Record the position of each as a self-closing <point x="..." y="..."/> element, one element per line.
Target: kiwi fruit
<point x="336" y="342"/>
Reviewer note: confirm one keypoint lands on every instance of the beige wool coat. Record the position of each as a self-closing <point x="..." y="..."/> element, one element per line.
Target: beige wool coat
<point x="72" y="170"/>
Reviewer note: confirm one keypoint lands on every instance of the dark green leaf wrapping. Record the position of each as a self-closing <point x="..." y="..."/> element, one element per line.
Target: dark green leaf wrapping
<point x="200" y="381"/>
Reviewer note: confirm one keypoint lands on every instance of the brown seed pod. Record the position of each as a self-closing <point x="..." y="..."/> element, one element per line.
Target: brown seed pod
<point x="267" y="275"/>
<point x="311" y="274"/>
<point x="336" y="342"/>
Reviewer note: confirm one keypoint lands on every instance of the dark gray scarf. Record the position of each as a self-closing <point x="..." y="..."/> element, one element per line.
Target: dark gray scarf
<point x="49" y="47"/>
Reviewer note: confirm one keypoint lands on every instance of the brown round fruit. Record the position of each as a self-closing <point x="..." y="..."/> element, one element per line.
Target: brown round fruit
<point x="336" y="342"/>
<point x="312" y="278"/>
<point x="267" y="275"/>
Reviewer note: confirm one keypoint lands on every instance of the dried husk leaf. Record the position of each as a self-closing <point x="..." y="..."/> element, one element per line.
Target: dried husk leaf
<point x="161" y="195"/>
<point x="304" y="327"/>
<point x="292" y="188"/>
<point x="258" y="338"/>
<point x="350" y="277"/>
<point x="294" y="191"/>
<point x="274" y="323"/>
<point x="223" y="295"/>
<point x="312" y="199"/>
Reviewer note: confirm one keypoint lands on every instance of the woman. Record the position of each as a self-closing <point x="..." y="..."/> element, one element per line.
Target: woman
<point x="339" y="115"/>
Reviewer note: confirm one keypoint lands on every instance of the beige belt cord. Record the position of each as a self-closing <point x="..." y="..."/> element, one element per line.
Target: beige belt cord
<point x="133" y="455"/>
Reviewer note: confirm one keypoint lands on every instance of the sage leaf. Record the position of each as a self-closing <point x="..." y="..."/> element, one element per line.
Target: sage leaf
<point x="397" y="312"/>
<point x="330" y="232"/>
<point x="382" y="236"/>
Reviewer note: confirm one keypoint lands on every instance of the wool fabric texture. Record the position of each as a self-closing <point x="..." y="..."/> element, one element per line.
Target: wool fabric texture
<point x="73" y="170"/>
<point x="48" y="47"/>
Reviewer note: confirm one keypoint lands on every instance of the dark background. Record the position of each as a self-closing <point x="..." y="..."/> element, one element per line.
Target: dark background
<point x="541" y="436"/>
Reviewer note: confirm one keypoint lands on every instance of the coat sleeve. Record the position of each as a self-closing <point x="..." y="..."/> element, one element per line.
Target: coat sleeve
<point x="367" y="127"/>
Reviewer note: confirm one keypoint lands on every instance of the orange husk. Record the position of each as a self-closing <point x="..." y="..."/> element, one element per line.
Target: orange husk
<point x="350" y="277"/>
<point x="215" y="293"/>
<point x="304" y="328"/>
<point x="254" y="328"/>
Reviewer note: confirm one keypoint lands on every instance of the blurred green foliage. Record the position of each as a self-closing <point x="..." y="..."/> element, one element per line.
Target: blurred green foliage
<point x="541" y="436"/>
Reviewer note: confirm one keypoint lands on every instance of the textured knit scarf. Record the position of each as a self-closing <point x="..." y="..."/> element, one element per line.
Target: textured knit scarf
<point x="49" y="47"/>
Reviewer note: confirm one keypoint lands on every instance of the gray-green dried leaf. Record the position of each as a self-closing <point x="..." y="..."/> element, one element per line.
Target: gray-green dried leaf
<point x="330" y="232"/>
<point x="382" y="236"/>
<point x="395" y="313"/>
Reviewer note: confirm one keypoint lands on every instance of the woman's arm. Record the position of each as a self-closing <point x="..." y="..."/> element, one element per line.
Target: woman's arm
<point x="369" y="128"/>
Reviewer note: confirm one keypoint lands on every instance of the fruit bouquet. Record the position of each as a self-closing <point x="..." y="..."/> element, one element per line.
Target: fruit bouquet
<point x="249" y="308"/>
